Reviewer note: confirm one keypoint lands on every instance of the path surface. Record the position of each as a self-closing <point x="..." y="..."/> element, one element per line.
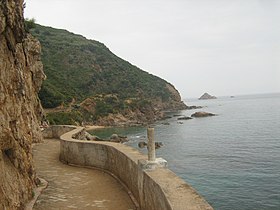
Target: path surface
<point x="72" y="187"/>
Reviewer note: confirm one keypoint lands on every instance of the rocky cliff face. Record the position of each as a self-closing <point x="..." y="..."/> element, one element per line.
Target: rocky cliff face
<point x="20" y="80"/>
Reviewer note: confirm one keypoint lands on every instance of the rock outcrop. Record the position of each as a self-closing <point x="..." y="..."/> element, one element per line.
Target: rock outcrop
<point x="202" y="114"/>
<point x="206" y="96"/>
<point x="20" y="109"/>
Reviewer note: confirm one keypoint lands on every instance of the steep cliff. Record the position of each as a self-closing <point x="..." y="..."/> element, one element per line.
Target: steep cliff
<point x="20" y="110"/>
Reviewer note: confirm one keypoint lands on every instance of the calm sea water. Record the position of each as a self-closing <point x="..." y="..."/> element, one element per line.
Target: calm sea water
<point x="233" y="159"/>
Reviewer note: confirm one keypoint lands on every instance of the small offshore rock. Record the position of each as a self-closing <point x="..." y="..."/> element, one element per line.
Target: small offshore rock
<point x="194" y="107"/>
<point x="158" y="145"/>
<point x="202" y="114"/>
<point x="177" y="115"/>
<point x="142" y="144"/>
<point x="184" y="118"/>
<point x="166" y="117"/>
<point x="166" y="123"/>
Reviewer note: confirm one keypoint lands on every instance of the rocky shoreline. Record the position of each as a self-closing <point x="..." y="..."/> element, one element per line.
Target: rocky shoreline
<point x="134" y="119"/>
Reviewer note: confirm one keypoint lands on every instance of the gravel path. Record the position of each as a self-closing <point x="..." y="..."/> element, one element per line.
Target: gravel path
<point x="72" y="187"/>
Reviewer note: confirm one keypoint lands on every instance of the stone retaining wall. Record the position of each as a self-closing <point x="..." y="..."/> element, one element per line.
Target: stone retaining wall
<point x="56" y="131"/>
<point x="158" y="189"/>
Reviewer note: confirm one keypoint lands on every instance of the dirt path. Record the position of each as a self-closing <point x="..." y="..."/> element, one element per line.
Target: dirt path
<point x="73" y="187"/>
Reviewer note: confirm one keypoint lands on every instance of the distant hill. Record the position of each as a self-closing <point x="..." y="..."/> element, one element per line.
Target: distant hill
<point x="87" y="83"/>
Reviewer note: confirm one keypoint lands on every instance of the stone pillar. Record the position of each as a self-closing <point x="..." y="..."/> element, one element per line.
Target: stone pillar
<point x="151" y="144"/>
<point x="152" y="163"/>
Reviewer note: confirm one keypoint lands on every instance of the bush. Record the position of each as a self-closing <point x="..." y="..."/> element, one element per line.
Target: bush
<point x="102" y="109"/>
<point x="65" y="118"/>
<point x="29" y="24"/>
<point x="50" y="97"/>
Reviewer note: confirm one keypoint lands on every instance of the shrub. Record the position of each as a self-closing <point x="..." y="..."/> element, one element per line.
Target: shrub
<point x="65" y="118"/>
<point x="29" y="24"/>
<point x="50" y="97"/>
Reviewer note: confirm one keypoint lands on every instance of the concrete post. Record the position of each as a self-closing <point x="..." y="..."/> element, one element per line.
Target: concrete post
<point x="151" y="144"/>
<point x="152" y="163"/>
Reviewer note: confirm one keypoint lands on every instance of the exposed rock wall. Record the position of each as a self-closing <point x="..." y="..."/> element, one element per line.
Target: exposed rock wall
<point x="21" y="75"/>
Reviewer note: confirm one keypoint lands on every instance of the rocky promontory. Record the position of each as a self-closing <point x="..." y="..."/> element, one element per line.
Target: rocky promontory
<point x="20" y="109"/>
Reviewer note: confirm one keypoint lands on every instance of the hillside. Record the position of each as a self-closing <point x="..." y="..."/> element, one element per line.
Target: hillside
<point x="92" y="85"/>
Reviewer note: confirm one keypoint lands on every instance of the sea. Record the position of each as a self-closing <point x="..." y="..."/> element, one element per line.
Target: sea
<point x="232" y="159"/>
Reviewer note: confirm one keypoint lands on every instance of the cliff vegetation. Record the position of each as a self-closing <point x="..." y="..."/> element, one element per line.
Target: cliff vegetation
<point x="87" y="83"/>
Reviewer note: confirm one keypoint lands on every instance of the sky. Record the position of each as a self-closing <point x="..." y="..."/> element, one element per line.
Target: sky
<point x="223" y="47"/>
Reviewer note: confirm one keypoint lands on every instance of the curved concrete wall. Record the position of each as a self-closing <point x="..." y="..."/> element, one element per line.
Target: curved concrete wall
<point x="56" y="131"/>
<point x="158" y="189"/>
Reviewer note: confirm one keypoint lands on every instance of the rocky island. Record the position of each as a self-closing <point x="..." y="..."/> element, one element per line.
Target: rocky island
<point x="207" y="96"/>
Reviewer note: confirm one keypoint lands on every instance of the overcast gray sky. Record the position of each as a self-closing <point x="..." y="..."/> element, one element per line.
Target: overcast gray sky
<point x="224" y="47"/>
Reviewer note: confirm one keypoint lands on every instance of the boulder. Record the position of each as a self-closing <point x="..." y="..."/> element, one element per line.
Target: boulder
<point x="90" y="137"/>
<point x="202" y="114"/>
<point x="118" y="139"/>
<point x="142" y="144"/>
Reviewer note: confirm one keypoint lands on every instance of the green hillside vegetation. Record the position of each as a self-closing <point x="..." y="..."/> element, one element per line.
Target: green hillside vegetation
<point x="78" y="68"/>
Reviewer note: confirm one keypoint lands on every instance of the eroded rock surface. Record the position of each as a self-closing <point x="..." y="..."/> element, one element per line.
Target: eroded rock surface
<point x="20" y="110"/>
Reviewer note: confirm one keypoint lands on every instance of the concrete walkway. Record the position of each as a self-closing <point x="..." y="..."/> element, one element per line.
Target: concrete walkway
<point x="72" y="187"/>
